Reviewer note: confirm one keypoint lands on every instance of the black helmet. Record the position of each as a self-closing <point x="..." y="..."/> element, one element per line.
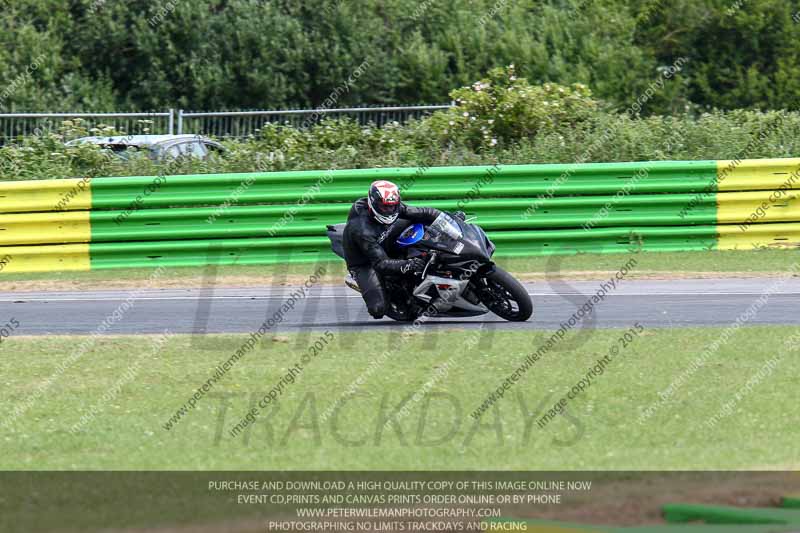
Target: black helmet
<point x="384" y="201"/>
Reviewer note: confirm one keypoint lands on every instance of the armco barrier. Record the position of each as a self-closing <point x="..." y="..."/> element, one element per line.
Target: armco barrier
<point x="261" y="218"/>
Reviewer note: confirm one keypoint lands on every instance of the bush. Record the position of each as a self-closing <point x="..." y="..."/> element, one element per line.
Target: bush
<point x="504" y="108"/>
<point x="579" y="129"/>
<point x="214" y="54"/>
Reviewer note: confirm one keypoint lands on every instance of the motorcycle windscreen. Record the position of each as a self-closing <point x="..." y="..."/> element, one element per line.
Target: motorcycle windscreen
<point x="444" y="234"/>
<point x="446" y="225"/>
<point x="461" y="239"/>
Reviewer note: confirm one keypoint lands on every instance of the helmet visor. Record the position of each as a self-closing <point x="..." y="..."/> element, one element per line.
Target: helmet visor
<point x="385" y="209"/>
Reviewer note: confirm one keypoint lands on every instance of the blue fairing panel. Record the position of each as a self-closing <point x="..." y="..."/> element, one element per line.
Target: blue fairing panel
<point x="412" y="235"/>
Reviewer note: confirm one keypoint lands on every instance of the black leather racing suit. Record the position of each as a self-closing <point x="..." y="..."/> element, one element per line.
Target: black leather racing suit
<point x="366" y="258"/>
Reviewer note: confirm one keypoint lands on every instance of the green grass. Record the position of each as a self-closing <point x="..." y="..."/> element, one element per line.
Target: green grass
<point x="601" y="432"/>
<point x="755" y="261"/>
<point x="708" y="261"/>
<point x="171" y="273"/>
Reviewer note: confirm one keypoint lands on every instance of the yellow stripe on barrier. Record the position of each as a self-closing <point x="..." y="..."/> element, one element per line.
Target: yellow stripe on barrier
<point x="44" y="258"/>
<point x="758" y="174"/>
<point x="759" y="206"/>
<point x="45" y="195"/>
<point x="34" y="228"/>
<point x="738" y="237"/>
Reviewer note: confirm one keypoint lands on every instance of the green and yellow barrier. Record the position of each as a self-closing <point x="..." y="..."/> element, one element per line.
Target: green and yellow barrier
<point x="261" y="218"/>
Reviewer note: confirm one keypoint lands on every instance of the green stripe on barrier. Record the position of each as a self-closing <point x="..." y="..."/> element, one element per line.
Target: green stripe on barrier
<point x="311" y="219"/>
<point x="433" y="183"/>
<point x="526" y="209"/>
<point x="195" y="252"/>
<point x="214" y="251"/>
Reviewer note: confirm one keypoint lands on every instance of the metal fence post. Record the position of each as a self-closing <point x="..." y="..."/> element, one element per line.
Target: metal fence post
<point x="180" y="121"/>
<point x="171" y="121"/>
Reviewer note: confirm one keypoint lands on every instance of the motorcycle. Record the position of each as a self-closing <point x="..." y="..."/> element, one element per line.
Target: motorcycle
<point x="459" y="278"/>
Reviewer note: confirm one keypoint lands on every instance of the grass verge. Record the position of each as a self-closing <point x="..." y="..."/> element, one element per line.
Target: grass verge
<point x="582" y="266"/>
<point x="131" y="390"/>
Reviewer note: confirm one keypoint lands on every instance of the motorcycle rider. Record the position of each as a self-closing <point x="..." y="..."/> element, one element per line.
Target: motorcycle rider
<point x="368" y="225"/>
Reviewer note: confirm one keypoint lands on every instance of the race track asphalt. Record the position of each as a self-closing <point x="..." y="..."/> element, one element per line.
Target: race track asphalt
<point x="654" y="303"/>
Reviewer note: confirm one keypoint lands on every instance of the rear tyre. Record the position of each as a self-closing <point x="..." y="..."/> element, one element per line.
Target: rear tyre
<point x="505" y="296"/>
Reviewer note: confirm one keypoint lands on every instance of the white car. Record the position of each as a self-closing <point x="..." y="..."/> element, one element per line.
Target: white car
<point x="156" y="146"/>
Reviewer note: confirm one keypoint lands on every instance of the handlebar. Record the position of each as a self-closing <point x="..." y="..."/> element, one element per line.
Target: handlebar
<point x="430" y="262"/>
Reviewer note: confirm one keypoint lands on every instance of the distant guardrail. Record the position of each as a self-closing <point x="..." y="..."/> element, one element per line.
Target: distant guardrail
<point x="237" y="124"/>
<point x="280" y="217"/>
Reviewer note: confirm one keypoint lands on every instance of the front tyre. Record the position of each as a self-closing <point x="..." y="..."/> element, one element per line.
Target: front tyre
<point x="505" y="296"/>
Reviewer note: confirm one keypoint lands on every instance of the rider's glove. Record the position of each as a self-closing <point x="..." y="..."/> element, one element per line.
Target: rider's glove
<point x="460" y="214"/>
<point x="414" y="266"/>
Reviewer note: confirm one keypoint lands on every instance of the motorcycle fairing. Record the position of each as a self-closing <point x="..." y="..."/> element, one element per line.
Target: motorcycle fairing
<point x="412" y="235"/>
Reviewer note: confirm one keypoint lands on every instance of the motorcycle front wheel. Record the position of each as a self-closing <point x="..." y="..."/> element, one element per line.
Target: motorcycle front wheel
<point x="505" y="296"/>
